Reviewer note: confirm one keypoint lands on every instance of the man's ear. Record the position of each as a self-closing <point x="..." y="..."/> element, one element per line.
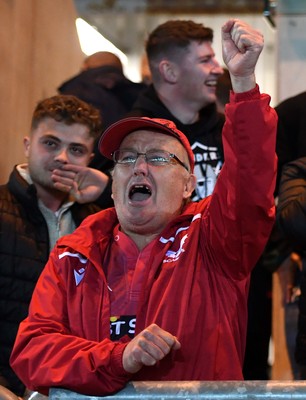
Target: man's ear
<point x="26" y="145"/>
<point x="168" y="71"/>
<point x="190" y="185"/>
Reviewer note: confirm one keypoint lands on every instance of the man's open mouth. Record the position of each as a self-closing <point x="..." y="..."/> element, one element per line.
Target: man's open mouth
<point x="139" y="192"/>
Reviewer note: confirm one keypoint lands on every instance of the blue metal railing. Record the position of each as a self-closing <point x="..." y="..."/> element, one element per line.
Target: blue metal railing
<point x="208" y="390"/>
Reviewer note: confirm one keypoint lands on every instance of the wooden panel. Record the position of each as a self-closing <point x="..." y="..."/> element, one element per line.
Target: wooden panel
<point x="40" y="49"/>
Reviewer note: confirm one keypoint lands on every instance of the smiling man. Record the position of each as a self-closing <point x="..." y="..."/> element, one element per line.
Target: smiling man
<point x="184" y="79"/>
<point x="156" y="287"/>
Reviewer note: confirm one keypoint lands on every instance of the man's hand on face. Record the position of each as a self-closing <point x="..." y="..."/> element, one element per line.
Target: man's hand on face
<point x="83" y="183"/>
<point x="148" y="347"/>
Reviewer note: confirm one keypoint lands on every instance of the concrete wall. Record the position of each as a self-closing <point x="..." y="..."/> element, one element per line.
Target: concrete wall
<point x="291" y="48"/>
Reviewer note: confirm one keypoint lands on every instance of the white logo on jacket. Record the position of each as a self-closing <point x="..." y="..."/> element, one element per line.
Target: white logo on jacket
<point x="79" y="275"/>
<point x="174" y="255"/>
<point x="78" y="272"/>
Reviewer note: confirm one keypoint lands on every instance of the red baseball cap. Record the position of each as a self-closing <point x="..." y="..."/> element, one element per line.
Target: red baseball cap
<point x="114" y="134"/>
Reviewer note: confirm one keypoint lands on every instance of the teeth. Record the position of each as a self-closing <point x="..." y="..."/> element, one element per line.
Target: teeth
<point x="211" y="83"/>
<point x="140" y="188"/>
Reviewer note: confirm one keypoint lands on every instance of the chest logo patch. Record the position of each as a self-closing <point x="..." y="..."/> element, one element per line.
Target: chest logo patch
<point x="79" y="275"/>
<point x="174" y="255"/>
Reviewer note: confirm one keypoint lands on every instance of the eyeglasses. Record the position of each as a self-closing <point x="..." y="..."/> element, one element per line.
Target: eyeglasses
<point x="152" y="157"/>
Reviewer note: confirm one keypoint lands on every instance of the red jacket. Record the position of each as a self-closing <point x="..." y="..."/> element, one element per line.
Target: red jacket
<point x="196" y="287"/>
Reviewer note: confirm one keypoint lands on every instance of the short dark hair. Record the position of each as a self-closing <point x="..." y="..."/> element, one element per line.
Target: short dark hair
<point x="69" y="110"/>
<point x="173" y="35"/>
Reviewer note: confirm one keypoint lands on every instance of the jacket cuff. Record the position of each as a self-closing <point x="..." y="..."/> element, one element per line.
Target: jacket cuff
<point x="253" y="94"/>
<point x="116" y="360"/>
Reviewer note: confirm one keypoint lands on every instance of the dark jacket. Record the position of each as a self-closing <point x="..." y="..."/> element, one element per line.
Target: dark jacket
<point x="203" y="135"/>
<point x="107" y="89"/>
<point x="291" y="138"/>
<point x="291" y="217"/>
<point x="24" y="251"/>
<point x="292" y="202"/>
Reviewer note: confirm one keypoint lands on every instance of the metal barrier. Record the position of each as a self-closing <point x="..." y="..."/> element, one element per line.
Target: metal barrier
<point x="29" y="395"/>
<point x="208" y="390"/>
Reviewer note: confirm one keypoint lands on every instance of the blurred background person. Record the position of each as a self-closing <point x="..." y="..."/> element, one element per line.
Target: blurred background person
<point x="291" y="218"/>
<point x="102" y="83"/>
<point x="145" y="72"/>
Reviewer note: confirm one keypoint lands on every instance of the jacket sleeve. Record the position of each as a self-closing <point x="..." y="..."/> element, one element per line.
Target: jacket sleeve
<point x="291" y="214"/>
<point x="242" y="210"/>
<point x="47" y="353"/>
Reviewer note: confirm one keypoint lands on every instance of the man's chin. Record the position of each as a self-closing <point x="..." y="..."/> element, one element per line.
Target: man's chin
<point x="140" y="223"/>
